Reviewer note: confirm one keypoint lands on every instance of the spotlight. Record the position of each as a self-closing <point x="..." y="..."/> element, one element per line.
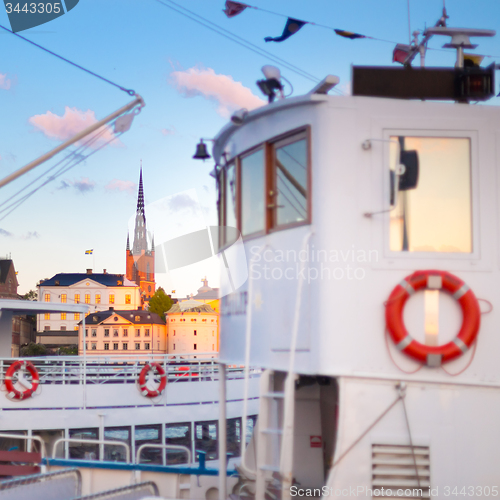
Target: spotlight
<point x="239" y="116"/>
<point x="272" y="83"/>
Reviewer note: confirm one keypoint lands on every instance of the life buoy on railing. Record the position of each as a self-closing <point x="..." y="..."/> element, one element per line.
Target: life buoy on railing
<point x="185" y="369"/>
<point x="145" y="391"/>
<point x="433" y="280"/>
<point x="14" y="393"/>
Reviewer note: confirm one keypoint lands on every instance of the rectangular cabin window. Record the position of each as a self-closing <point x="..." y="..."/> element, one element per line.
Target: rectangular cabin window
<point x="288" y="194"/>
<point x="148" y="434"/>
<point x="229" y="208"/>
<point x="178" y="434"/>
<point x="206" y="439"/>
<point x="252" y="168"/>
<point x="84" y="451"/>
<point x="436" y="215"/>
<point x="115" y="453"/>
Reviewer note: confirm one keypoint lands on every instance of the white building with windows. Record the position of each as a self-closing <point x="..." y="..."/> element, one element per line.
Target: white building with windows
<point x="117" y="332"/>
<point x="99" y="290"/>
<point x="192" y="327"/>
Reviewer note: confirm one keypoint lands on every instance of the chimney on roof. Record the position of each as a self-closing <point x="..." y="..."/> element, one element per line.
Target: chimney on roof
<point x="89" y="271"/>
<point x="104" y="271"/>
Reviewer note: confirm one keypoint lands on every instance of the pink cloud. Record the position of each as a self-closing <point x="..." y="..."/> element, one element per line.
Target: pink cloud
<point x="168" y="131"/>
<point x="221" y="89"/>
<point x="119" y="185"/>
<point x="66" y="126"/>
<point x="5" y="83"/>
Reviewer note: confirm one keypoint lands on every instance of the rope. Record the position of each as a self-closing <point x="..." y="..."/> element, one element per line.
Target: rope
<point x="402" y="392"/>
<point x="466" y="366"/>
<point x="393" y="360"/>
<point x="128" y="91"/>
<point x="489" y="303"/>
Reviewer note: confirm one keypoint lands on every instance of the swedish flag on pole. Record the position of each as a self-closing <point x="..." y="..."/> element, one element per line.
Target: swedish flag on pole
<point x="89" y="252"/>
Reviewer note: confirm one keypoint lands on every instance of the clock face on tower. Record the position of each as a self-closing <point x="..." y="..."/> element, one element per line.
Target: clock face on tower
<point x="149" y="288"/>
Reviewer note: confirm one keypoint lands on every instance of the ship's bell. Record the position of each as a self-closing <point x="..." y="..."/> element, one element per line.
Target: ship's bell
<point x="201" y="151"/>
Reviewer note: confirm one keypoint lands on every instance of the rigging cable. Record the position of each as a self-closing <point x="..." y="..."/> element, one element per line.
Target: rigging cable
<point x="128" y="91"/>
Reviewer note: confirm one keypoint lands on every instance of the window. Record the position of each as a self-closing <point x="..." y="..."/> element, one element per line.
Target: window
<point x="442" y="195"/>
<point x="63" y="328"/>
<point x="146" y="332"/>
<point x="148" y="434"/>
<point x="174" y="333"/>
<point x="75" y="327"/>
<point x="146" y="345"/>
<point x="178" y="434"/>
<point x="84" y="451"/>
<point x="77" y="298"/>
<point x="77" y="316"/>
<point x="111" y="298"/>
<point x="174" y="347"/>
<point x="115" y="332"/>
<point x="233" y="433"/>
<point x="124" y="346"/>
<point x="137" y="346"/>
<point x="137" y="318"/>
<point x="137" y="332"/>
<point x="289" y="181"/>
<point x="87" y="298"/>
<point x="106" y="346"/>
<point x="252" y="172"/>
<point x="106" y="332"/>
<point x="195" y="332"/>
<point x="63" y="298"/>
<point x="63" y="315"/>
<point x="127" y="298"/>
<point x="115" y="453"/>
<point x="86" y="346"/>
<point x="125" y="332"/>
<point x="206" y="439"/>
<point x="94" y="346"/>
<point x="86" y="332"/>
<point x="47" y="297"/>
<point x="47" y="316"/>
<point x="94" y="333"/>
<point x="97" y="298"/>
<point x="115" y="346"/>
<point x="194" y="347"/>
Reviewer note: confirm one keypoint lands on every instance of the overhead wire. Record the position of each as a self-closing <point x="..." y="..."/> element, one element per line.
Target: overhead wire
<point x="128" y="91"/>
<point x="239" y="40"/>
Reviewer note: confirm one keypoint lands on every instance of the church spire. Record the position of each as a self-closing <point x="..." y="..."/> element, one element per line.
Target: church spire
<point x="140" y="234"/>
<point x="140" y="198"/>
<point x="128" y="242"/>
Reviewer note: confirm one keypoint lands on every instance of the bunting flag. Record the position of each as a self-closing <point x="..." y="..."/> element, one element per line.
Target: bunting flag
<point x="234" y="8"/>
<point x="349" y="34"/>
<point x="400" y="53"/>
<point x="89" y="252"/>
<point x="291" y="27"/>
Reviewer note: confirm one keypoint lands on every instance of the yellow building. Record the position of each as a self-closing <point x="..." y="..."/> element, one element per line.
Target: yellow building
<point x="123" y="332"/>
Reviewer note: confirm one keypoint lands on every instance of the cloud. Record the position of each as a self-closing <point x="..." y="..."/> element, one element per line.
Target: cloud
<point x="3" y="232"/>
<point x="119" y="185"/>
<point x="181" y="202"/>
<point x="31" y="234"/>
<point x="5" y="83"/>
<point x="168" y="131"/>
<point x="221" y="89"/>
<point x="84" y="185"/>
<point x="66" y="126"/>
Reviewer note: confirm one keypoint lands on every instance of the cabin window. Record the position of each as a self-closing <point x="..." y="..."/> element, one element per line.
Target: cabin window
<point x="288" y="192"/>
<point x="7" y="443"/>
<point x="252" y="196"/>
<point x="233" y="430"/>
<point x="436" y="215"/>
<point x="206" y="439"/>
<point x="150" y="434"/>
<point x="179" y="435"/>
<point x="114" y="453"/>
<point x="251" y="421"/>
<point x="84" y="451"/>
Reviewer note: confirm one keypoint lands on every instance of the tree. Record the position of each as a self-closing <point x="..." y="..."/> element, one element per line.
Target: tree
<point x="68" y="351"/>
<point x="160" y="303"/>
<point x="31" y="295"/>
<point x="33" y="350"/>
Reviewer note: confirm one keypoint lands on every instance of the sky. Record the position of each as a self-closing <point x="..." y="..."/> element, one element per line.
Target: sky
<point x="191" y="79"/>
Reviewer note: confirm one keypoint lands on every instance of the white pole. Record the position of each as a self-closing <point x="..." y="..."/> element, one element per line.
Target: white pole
<point x="223" y="433"/>
<point x="84" y="364"/>
<point x="30" y="166"/>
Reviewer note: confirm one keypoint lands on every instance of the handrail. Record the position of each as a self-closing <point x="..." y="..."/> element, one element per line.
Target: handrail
<point x="164" y="447"/>
<point x="43" y="452"/>
<point x="92" y="441"/>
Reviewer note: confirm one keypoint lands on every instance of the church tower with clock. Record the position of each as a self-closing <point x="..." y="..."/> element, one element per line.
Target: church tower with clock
<point x="140" y="263"/>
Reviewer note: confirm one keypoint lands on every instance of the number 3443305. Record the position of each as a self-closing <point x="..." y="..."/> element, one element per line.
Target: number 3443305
<point x="33" y="8"/>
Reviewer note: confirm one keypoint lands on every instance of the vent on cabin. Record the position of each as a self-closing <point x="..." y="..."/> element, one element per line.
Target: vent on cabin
<point x="393" y="469"/>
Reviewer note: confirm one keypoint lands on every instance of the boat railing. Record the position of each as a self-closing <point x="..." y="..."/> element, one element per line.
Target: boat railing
<point x="121" y="369"/>
<point x="9" y="435"/>
<point x="167" y="447"/>
<point x="101" y="442"/>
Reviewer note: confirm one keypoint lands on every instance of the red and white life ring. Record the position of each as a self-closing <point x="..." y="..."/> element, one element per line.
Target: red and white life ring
<point x="145" y="391"/>
<point x="14" y="393"/>
<point x="436" y="280"/>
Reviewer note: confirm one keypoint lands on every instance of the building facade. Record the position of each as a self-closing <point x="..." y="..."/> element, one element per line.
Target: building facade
<point x="122" y="332"/>
<point x="192" y="327"/>
<point x="140" y="259"/>
<point x="100" y="290"/>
